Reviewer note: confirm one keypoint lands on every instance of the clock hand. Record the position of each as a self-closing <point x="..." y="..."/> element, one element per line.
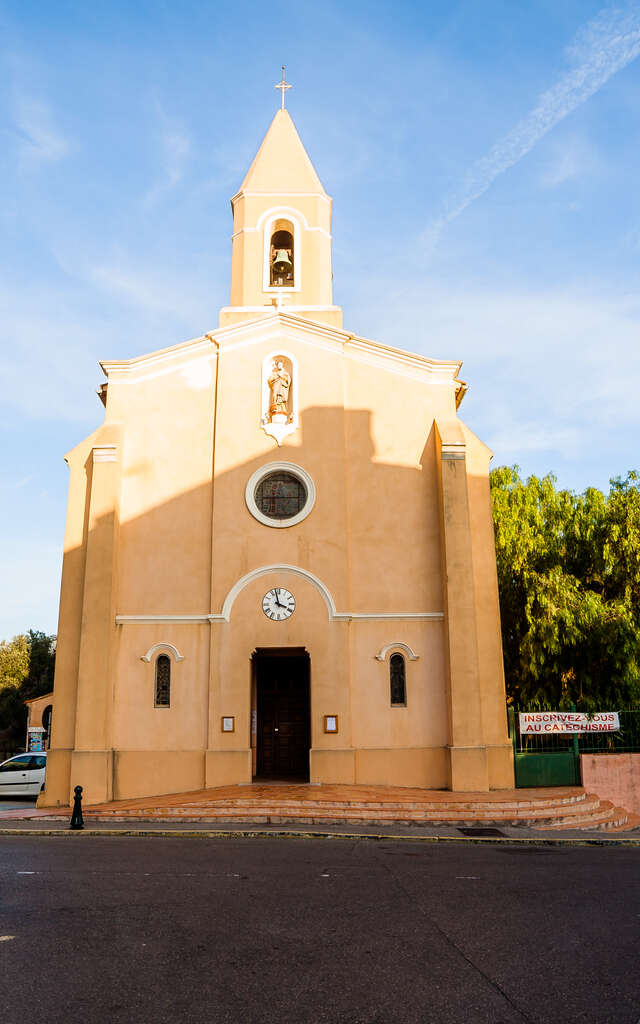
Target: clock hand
<point x="277" y="601"/>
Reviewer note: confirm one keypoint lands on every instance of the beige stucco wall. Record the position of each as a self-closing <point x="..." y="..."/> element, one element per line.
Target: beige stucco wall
<point x="398" y="547"/>
<point x="173" y="535"/>
<point x="36" y="707"/>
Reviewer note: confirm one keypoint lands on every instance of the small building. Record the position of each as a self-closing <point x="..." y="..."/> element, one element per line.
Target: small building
<point x="279" y="557"/>
<point x="39" y="717"/>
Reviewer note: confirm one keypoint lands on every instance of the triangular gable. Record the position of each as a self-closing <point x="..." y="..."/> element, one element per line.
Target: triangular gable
<point x="283" y="326"/>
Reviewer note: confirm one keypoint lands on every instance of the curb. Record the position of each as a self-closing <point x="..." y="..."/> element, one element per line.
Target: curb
<point x="289" y="834"/>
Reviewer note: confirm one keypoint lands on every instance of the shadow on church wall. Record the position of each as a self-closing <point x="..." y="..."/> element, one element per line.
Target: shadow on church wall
<point x="372" y="538"/>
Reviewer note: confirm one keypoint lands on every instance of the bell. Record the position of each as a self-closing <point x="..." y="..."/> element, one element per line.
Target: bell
<point x="282" y="263"/>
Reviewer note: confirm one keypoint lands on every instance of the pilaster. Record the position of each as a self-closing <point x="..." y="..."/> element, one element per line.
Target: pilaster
<point x="468" y="761"/>
<point x="92" y="759"/>
<point x="63" y="726"/>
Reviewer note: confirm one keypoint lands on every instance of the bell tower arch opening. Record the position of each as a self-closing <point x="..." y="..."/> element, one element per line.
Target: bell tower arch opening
<point x="282" y="233"/>
<point x="282" y="255"/>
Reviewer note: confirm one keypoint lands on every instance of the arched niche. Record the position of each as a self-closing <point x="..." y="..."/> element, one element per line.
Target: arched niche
<point x="282" y="232"/>
<point x="282" y="254"/>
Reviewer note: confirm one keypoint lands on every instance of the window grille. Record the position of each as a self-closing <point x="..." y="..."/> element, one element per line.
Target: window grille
<point x="280" y="495"/>
<point x="163" y="681"/>
<point x="397" y="680"/>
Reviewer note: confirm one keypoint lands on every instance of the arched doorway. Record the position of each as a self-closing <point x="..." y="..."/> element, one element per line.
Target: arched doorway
<point x="281" y="712"/>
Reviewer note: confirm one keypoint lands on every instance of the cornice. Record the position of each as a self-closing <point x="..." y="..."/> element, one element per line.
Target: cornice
<point x="250" y="332"/>
<point x="260" y="193"/>
<point x="161" y="355"/>
<point x="461" y="391"/>
<point x="377" y="353"/>
<point x="224" y="615"/>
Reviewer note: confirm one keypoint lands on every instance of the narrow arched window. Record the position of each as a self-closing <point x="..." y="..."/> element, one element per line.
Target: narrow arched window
<point x="397" y="680"/>
<point x="163" y="681"/>
<point x="281" y="255"/>
<point x="46" y="724"/>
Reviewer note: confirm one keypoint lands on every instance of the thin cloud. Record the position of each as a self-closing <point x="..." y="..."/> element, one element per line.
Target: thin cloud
<point x="175" y="147"/>
<point x="515" y="439"/>
<point x="569" y="159"/>
<point x="23" y="483"/>
<point x="40" y="141"/>
<point x="602" y="48"/>
<point x="156" y="292"/>
<point x="553" y="372"/>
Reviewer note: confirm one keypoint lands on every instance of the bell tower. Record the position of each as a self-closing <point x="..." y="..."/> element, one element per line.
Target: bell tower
<point x="281" y="254"/>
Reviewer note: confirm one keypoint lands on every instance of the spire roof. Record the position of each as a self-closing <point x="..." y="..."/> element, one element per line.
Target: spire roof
<point x="282" y="163"/>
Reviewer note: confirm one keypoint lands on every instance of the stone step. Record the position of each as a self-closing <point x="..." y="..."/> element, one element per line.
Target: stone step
<point x="608" y="817"/>
<point x="275" y="819"/>
<point x="333" y="796"/>
<point x="303" y="813"/>
<point x="250" y="806"/>
<point x="395" y="804"/>
<point x="426" y="812"/>
<point x="632" y="822"/>
<point x="561" y="808"/>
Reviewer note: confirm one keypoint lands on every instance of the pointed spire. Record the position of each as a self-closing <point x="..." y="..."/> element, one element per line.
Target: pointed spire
<point x="282" y="163"/>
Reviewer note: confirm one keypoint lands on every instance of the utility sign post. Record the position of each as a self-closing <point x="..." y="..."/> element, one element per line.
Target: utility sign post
<point x="545" y="723"/>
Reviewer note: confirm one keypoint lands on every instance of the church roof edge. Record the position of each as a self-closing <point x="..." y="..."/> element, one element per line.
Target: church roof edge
<point x="364" y="347"/>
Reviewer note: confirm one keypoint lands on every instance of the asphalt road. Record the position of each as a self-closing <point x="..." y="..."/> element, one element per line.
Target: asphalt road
<point x="147" y="931"/>
<point x="16" y="803"/>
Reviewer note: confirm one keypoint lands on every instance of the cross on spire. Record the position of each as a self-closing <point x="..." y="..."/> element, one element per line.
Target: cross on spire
<point x="283" y="86"/>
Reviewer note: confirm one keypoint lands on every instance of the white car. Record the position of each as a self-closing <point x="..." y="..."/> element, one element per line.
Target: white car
<point x="22" y="775"/>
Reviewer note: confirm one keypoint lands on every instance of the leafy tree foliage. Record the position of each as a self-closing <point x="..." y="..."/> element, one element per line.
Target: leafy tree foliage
<point x="26" y="670"/>
<point x="569" y="580"/>
<point x="14" y="661"/>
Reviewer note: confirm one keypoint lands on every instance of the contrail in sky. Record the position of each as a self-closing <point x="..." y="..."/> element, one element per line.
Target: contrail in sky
<point x="604" y="46"/>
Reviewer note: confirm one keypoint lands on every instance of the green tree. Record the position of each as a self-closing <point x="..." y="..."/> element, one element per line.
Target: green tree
<point x="42" y="660"/>
<point x="569" y="581"/>
<point x="14" y="661"/>
<point x="26" y="670"/>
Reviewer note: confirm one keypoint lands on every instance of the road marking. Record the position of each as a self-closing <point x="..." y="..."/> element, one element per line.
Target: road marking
<point x="6" y="938"/>
<point x="25" y="872"/>
<point x="468" y="878"/>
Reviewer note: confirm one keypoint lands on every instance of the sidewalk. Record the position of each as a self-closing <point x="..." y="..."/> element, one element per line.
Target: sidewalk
<point x="41" y="823"/>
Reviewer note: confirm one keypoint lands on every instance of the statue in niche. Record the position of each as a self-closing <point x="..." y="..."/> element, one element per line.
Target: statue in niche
<point x="279" y="395"/>
<point x="279" y="387"/>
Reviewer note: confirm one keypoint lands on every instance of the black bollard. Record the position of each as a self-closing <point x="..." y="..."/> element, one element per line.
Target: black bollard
<point x="77" y="821"/>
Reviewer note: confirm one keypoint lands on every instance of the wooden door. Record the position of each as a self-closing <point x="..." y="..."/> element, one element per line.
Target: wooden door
<point x="283" y="717"/>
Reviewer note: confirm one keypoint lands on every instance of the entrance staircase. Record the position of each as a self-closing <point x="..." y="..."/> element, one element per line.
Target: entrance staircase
<point x="290" y="804"/>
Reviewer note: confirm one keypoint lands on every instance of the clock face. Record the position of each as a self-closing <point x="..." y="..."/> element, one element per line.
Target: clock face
<point x="278" y="603"/>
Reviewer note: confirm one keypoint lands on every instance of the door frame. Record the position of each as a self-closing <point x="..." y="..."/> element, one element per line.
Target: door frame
<point x="274" y="652"/>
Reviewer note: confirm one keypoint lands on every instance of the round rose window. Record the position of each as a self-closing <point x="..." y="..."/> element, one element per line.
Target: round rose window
<point x="280" y="494"/>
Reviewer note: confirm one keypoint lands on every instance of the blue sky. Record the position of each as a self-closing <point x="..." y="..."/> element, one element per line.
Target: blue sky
<point x="483" y="160"/>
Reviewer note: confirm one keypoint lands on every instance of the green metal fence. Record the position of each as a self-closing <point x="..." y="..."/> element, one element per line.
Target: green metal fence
<point x="543" y="760"/>
<point x="626" y="741"/>
<point x="554" y="760"/>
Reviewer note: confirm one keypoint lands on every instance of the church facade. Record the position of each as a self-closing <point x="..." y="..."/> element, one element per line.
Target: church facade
<point x="279" y="557"/>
